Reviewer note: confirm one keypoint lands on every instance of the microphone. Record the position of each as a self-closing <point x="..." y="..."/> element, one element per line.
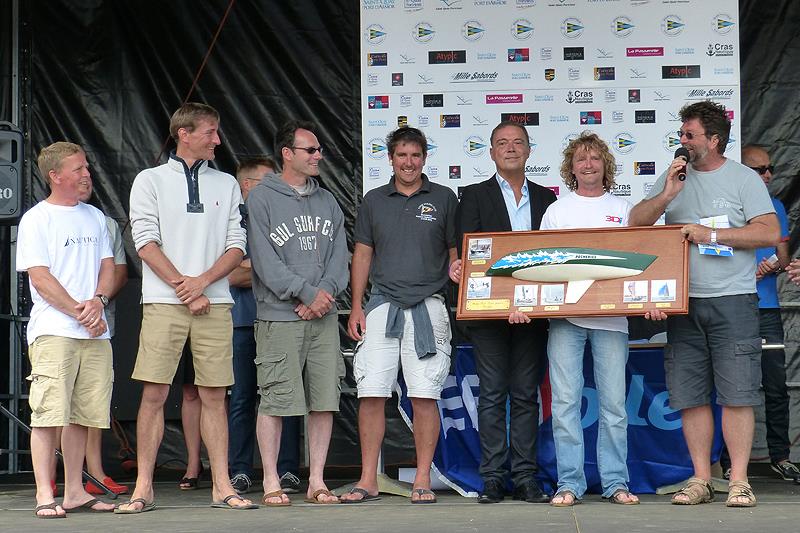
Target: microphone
<point x="684" y="154"/>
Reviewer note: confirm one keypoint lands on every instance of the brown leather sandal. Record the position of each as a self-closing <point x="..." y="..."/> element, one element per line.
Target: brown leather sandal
<point x="740" y="489"/>
<point x="697" y="491"/>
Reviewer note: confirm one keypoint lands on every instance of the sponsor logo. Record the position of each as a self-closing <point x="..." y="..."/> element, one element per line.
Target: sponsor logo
<point x="486" y="56"/>
<point x="423" y="32"/>
<point x="619" y="189"/>
<point x="709" y="94"/>
<point x="377" y="123"/>
<point x="610" y="95"/>
<point x="397" y="79"/>
<point x="624" y="143"/>
<point x="559" y="118"/>
<point x="378" y="102"/>
<point x="542" y="97"/>
<point x="376" y="148"/>
<point x="377" y="4"/>
<point x="405" y="100"/>
<point x="617" y="117"/>
<point x="591" y="118"/>
<point x="516" y="55"/>
<point x="441" y="57"/>
<point x="375" y="34"/>
<point x="490" y="3"/>
<point x="573" y="74"/>
<point x="472" y="30"/>
<point x="573" y="53"/>
<point x="555" y="189"/>
<point x="454" y="172"/>
<point x="378" y="59"/>
<point x="549" y="74"/>
<point x="407" y="60"/>
<point x="645" y="51"/>
<point x="537" y="170"/>
<point x="463" y="100"/>
<point x="622" y="26"/>
<point x="722" y="23"/>
<point x="412" y="5"/>
<point x="637" y="74"/>
<point x="579" y="96"/>
<point x="603" y="73"/>
<point x="504" y="98"/>
<point x="474" y="146"/>
<point x="658" y="96"/>
<point x="723" y="71"/>
<point x="646" y="187"/>
<point x="473" y="77"/>
<point x="449" y="5"/>
<point x="568" y="139"/>
<point x="372" y="79"/>
<point x="602" y="53"/>
<point x="426" y="212"/>
<point x="680" y="71"/>
<point x="561" y="3"/>
<point x="374" y="172"/>
<point x="645" y="116"/>
<point x="522" y="29"/>
<point x="449" y="121"/>
<point x="684" y="51"/>
<point x="719" y="50"/>
<point x="546" y="54"/>
<point x="432" y="147"/>
<point x="402" y="121"/>
<point x="673" y="117"/>
<point x="424" y="79"/>
<point x="520" y="75"/>
<point x="634" y="96"/>
<point x="525" y="119"/>
<point x="423" y="121"/>
<point x="479" y="121"/>
<point x="479" y="173"/>
<point x="572" y="28"/>
<point x="523" y="4"/>
<point x="672" y="25"/>
<point x="670" y="141"/>
<point x="432" y="171"/>
<point x="433" y="100"/>
<point x="644" y="168"/>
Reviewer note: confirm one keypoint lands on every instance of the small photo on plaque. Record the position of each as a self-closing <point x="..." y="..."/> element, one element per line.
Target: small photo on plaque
<point x="479" y="249"/>
<point x="479" y="288"/>
<point x="525" y="295"/>
<point x="662" y="290"/>
<point x="634" y="291"/>
<point x="552" y="294"/>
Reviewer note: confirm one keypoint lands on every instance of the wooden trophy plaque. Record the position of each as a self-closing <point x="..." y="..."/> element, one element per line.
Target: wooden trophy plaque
<point x="575" y="272"/>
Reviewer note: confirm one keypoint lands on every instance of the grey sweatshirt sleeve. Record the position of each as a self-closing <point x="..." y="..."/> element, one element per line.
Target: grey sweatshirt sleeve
<point x="267" y="265"/>
<point x="144" y="211"/>
<point x="336" y="275"/>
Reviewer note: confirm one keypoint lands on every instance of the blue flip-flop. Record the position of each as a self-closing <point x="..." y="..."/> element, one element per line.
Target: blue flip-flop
<point x="365" y="496"/>
<point x="225" y="504"/>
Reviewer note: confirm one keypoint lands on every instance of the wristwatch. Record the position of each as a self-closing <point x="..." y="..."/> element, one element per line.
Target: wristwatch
<point x="103" y="299"/>
<point x="713" y="237"/>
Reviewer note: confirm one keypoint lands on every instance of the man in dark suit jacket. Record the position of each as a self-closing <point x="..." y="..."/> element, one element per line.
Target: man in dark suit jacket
<point x="510" y="355"/>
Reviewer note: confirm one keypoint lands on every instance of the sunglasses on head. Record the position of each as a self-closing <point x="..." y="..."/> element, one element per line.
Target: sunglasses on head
<point x="310" y="150"/>
<point x="763" y="169"/>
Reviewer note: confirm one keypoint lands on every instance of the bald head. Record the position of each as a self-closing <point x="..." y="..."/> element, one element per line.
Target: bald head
<point x="757" y="158"/>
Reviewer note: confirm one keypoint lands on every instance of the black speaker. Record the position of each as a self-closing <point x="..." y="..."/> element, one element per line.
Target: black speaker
<point x="10" y="173"/>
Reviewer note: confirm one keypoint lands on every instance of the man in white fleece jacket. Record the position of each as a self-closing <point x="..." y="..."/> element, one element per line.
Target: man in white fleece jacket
<point x="186" y="227"/>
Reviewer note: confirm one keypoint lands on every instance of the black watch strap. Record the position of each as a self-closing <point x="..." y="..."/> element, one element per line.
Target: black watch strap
<point x="103" y="299"/>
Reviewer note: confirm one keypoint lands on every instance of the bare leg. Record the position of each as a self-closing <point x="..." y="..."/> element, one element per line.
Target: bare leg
<point x="426" y="434"/>
<point x="268" y="431"/>
<point x="149" y="432"/>
<point x="73" y="440"/>
<point x="214" y="428"/>
<point x="698" y="430"/>
<point x="371" y="428"/>
<point x="191" y="407"/>
<point x="43" y="442"/>
<point x="94" y="453"/>
<point x="320" y="425"/>
<point x="737" y="428"/>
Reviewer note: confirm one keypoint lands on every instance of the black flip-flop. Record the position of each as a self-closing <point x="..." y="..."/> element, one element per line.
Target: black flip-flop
<point x="421" y="493"/>
<point x="53" y="506"/>
<point x="225" y="504"/>
<point x="365" y="496"/>
<point x="88" y="507"/>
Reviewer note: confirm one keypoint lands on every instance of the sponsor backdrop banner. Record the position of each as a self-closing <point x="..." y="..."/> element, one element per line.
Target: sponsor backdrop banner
<point x="621" y="68"/>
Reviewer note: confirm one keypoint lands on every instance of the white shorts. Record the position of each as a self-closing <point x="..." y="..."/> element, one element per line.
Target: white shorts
<point x="377" y="357"/>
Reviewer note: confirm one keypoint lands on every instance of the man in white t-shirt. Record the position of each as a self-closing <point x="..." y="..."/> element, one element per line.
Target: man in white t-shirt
<point x="588" y="170"/>
<point x="63" y="245"/>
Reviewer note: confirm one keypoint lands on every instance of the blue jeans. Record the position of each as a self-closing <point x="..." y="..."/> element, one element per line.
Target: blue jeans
<point x="242" y="404"/>
<point x="565" y="350"/>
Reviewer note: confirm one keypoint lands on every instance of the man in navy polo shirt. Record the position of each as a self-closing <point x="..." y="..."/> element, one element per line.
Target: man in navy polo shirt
<point x="405" y="240"/>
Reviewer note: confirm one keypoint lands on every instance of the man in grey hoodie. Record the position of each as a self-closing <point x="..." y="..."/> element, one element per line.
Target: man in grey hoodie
<point x="298" y="251"/>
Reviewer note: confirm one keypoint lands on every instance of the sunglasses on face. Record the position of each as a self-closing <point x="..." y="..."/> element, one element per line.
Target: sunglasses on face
<point x="763" y="169"/>
<point x="688" y="134"/>
<point x="310" y="150"/>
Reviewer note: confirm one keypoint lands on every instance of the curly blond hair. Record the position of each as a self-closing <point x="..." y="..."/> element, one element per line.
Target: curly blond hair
<point x="588" y="141"/>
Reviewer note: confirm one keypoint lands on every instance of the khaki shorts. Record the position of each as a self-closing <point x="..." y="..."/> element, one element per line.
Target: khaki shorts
<point x="299" y="366"/>
<point x="71" y="382"/>
<point x="165" y="328"/>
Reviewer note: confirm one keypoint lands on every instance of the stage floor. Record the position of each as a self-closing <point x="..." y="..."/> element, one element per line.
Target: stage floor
<point x="177" y="511"/>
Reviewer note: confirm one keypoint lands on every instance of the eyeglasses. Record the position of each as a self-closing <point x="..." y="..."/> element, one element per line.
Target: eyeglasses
<point x="310" y="150"/>
<point x="689" y="135"/>
<point x="763" y="169"/>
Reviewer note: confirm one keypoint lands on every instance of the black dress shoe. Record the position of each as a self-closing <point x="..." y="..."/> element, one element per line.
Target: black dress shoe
<point x="531" y="493"/>
<point x="493" y="491"/>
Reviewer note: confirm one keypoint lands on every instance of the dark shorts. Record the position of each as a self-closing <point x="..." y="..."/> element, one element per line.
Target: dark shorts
<point x="717" y="345"/>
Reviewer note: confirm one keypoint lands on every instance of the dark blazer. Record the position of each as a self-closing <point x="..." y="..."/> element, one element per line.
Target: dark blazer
<point x="482" y="208"/>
